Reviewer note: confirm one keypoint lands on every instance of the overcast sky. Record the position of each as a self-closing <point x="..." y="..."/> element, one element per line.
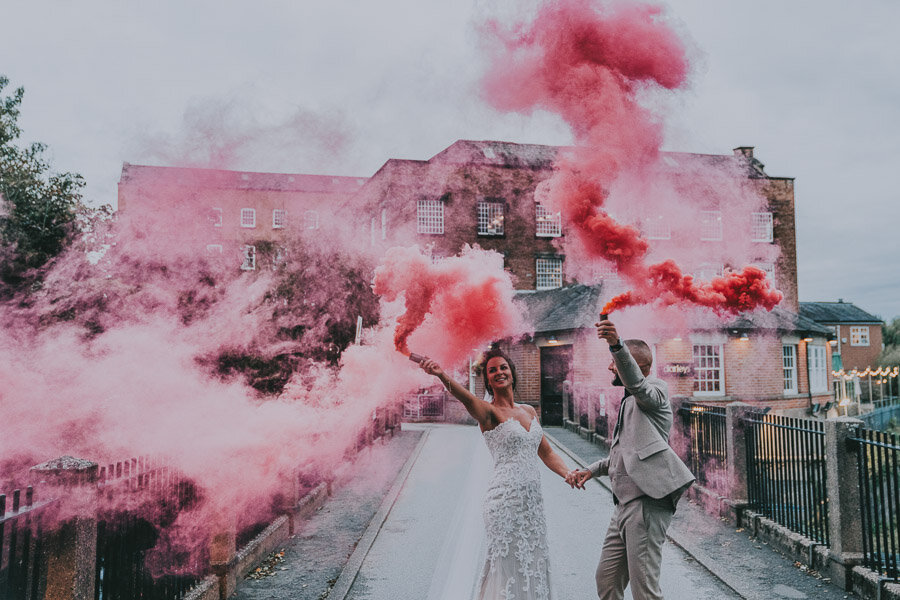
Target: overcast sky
<point x="339" y="87"/>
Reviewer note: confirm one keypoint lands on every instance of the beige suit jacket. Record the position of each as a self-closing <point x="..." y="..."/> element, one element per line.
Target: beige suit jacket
<point x="643" y="436"/>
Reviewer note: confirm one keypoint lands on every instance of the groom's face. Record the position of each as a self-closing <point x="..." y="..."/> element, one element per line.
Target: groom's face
<point x="612" y="369"/>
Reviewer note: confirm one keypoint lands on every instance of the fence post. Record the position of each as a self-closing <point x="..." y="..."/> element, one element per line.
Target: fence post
<point x="842" y="481"/>
<point x="736" y="452"/>
<point x="70" y="550"/>
<point x="223" y="559"/>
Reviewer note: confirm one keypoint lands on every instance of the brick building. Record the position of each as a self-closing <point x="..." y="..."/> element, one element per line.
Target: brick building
<point x="234" y="212"/>
<point x="487" y="193"/>
<point x="857" y="334"/>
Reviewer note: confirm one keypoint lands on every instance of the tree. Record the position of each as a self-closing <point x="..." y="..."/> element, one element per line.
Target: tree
<point x="38" y="208"/>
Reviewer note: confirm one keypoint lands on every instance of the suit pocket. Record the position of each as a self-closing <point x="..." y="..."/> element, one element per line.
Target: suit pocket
<point x="652" y="448"/>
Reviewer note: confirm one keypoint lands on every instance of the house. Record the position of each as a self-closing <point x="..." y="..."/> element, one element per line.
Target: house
<point x="857" y="334"/>
<point x="488" y="193"/>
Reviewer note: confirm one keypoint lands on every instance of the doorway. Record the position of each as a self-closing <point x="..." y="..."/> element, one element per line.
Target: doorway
<point x="556" y="364"/>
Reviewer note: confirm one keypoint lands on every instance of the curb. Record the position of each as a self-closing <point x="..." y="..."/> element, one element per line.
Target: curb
<point x="354" y="563"/>
<point x="703" y="559"/>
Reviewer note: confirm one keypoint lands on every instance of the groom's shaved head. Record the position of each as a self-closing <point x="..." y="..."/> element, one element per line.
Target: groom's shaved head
<point x="641" y="353"/>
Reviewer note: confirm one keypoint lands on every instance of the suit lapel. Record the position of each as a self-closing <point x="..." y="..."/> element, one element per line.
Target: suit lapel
<point x="618" y="427"/>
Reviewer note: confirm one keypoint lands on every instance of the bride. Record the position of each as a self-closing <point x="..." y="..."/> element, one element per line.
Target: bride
<point x="517" y="564"/>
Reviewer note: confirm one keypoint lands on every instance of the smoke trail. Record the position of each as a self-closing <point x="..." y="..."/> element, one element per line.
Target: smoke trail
<point x="463" y="301"/>
<point x="598" y="66"/>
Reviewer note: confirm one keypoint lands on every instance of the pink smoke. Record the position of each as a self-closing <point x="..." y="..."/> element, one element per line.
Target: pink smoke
<point x="595" y="65"/>
<point x="463" y="302"/>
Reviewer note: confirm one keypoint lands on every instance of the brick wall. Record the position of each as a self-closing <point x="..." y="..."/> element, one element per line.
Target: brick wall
<point x="859" y="357"/>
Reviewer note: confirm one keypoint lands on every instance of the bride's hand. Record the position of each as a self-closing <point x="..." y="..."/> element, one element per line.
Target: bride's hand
<point x="576" y="478"/>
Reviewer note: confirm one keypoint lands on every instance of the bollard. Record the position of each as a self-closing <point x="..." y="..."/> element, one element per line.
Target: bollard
<point x="70" y="549"/>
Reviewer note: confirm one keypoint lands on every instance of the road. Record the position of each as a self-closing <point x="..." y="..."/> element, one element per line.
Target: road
<point x="430" y="545"/>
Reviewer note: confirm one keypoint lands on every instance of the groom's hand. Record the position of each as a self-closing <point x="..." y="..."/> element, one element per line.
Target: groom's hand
<point x="576" y="478"/>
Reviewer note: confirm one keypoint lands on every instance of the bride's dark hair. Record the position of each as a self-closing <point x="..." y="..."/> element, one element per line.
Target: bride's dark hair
<point x="494" y="353"/>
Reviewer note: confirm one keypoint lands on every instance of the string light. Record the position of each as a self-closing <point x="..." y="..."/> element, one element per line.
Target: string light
<point x="879" y="372"/>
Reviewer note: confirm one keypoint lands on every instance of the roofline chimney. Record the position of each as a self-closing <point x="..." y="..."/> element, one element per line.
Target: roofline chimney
<point x="743" y="151"/>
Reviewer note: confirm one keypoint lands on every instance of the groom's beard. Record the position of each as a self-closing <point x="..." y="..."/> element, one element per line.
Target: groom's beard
<point x="617" y="382"/>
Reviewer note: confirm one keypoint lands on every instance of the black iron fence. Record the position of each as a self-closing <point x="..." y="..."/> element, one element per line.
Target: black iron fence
<point x="878" y="456"/>
<point x="706" y="453"/>
<point x="786" y="472"/>
<point x="143" y="499"/>
<point x="21" y="537"/>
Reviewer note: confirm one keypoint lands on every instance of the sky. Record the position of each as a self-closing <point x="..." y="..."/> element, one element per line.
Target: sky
<point x="339" y="87"/>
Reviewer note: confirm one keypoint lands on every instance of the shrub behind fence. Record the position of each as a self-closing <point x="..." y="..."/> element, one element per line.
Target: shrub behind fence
<point x="786" y="472"/>
<point x="878" y="455"/>
<point x="704" y="427"/>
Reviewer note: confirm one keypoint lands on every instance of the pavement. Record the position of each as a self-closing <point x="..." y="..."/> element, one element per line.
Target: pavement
<point x="406" y="524"/>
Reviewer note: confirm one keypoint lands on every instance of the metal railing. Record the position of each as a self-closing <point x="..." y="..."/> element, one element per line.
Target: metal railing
<point x="706" y="453"/>
<point x="878" y="456"/>
<point x="21" y="537"/>
<point x="424" y="406"/>
<point x="126" y="536"/>
<point x="786" y="472"/>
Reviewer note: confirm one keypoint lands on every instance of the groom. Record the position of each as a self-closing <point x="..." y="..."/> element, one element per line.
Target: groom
<point x="647" y="476"/>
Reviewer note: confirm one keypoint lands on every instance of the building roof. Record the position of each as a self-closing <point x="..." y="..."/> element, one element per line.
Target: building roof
<point x="539" y="156"/>
<point x="783" y="321"/>
<point x="222" y="179"/>
<point x="836" y="312"/>
<point x="571" y="307"/>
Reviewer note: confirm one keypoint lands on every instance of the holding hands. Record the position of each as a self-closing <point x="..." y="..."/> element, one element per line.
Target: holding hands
<point x="577" y="477"/>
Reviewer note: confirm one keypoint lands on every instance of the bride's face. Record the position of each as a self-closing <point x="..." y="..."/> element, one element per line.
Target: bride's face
<point x="499" y="373"/>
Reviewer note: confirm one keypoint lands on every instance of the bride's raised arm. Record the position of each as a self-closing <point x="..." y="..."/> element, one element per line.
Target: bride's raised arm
<point x="479" y="409"/>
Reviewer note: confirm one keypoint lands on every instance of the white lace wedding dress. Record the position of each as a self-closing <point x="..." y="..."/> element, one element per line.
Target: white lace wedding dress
<point x="517" y="563"/>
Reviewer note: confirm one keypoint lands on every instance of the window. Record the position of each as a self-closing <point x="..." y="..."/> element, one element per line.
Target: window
<point x="311" y="219"/>
<point x="761" y="227"/>
<point x="215" y="217"/>
<point x="248" y="217"/>
<point x="818" y="373"/>
<point x="549" y="273"/>
<point x="249" y="263"/>
<point x="711" y="225"/>
<point x="280" y="257"/>
<point x="769" y="270"/>
<point x="548" y="224"/>
<point x="859" y="336"/>
<point x="789" y="363"/>
<point x="709" y="271"/>
<point x="430" y="216"/>
<point x="708" y="370"/>
<point x="279" y="218"/>
<point x="490" y="218"/>
<point x="657" y="228"/>
<point x="214" y="248"/>
<point x="383" y="224"/>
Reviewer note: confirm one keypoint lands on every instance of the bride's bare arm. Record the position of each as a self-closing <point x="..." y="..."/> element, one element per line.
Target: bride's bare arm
<point x="479" y="409"/>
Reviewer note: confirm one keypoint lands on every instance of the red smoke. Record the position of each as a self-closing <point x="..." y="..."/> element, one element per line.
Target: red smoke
<point x="463" y="301"/>
<point x="595" y="65"/>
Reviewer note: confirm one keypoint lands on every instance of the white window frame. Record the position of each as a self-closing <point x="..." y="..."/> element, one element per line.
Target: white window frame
<point x="709" y="368"/>
<point x="818" y="368"/>
<point x="859" y="335"/>
<point x="762" y="227"/>
<point x="279" y="218"/>
<point x="430" y="217"/>
<point x="311" y="219"/>
<point x="491" y="215"/>
<point x="789" y="368"/>
<point x="249" y="262"/>
<point x="215" y="216"/>
<point x="657" y="228"/>
<point x="211" y="248"/>
<point x="548" y="273"/>
<point x="711" y="225"/>
<point x="248" y="218"/>
<point x="769" y="269"/>
<point x="547" y="224"/>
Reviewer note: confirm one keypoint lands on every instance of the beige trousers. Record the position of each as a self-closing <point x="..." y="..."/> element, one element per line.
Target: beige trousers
<point x="632" y="550"/>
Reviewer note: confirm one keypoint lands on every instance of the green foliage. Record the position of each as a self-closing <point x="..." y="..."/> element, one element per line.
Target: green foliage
<point x="892" y="333"/>
<point x="39" y="208"/>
